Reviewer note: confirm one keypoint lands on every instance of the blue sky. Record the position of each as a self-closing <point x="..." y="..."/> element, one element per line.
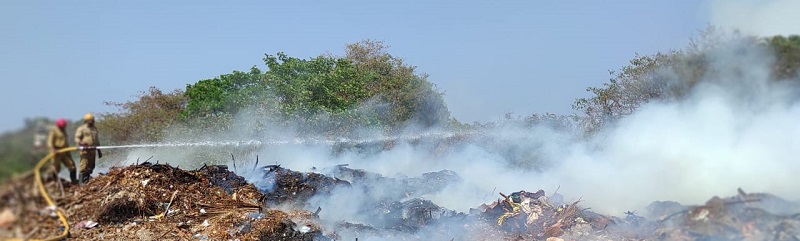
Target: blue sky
<point x="63" y="59"/>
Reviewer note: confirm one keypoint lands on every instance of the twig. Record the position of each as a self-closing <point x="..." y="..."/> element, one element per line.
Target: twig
<point x="165" y="233"/>
<point x="554" y="193"/>
<point x="491" y="193"/>
<point x="113" y="165"/>
<point x="507" y="199"/>
<point x="234" y="162"/>
<point x="168" y="205"/>
<point x="28" y="236"/>
<point x="255" y="165"/>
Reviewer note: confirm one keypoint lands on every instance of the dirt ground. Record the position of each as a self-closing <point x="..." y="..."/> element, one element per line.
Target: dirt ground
<point x="161" y="202"/>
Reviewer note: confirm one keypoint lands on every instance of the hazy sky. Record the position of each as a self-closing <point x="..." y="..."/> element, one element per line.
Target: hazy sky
<point x="63" y="58"/>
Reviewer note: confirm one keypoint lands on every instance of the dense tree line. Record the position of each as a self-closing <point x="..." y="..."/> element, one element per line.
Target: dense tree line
<point x="366" y="87"/>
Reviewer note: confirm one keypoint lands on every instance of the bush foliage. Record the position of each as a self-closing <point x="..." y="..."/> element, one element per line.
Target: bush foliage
<point x="672" y="75"/>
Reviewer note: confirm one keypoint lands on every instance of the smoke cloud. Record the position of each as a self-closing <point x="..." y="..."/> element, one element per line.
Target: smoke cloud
<point x="734" y="130"/>
<point x="762" y="18"/>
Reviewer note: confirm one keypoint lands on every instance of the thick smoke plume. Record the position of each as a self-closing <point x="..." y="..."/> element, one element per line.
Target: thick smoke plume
<point x="734" y="130"/>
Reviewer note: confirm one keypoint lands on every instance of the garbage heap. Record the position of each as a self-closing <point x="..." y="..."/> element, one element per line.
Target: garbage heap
<point x="153" y="201"/>
<point x="149" y="202"/>
<point x="393" y="204"/>
<point x="526" y="215"/>
<point x="746" y="216"/>
<point x="286" y="187"/>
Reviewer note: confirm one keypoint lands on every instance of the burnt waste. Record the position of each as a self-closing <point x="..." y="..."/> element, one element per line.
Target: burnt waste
<point x="158" y="201"/>
<point x="398" y="210"/>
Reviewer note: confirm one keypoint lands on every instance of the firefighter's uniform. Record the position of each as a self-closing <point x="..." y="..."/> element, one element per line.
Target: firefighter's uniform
<point x="86" y="135"/>
<point x="57" y="139"/>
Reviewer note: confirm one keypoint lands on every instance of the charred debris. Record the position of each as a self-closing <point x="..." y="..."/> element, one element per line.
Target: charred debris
<point x="158" y="201"/>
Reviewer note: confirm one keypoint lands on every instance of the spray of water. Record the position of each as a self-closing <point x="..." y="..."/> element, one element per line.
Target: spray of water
<point x="297" y="141"/>
<point x="187" y="144"/>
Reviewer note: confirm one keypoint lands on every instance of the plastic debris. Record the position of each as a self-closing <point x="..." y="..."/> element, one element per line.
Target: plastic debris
<point x="86" y="224"/>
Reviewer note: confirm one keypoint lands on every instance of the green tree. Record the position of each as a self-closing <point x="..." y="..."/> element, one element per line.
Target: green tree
<point x="326" y="93"/>
<point x="787" y="52"/>
<point x="323" y="84"/>
<point x="225" y="94"/>
<point x="409" y="95"/>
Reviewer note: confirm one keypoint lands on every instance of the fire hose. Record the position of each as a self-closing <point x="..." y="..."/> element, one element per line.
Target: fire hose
<point x="40" y="185"/>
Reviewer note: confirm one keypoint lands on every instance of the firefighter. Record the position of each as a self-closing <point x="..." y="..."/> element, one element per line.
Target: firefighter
<point x="57" y="139"/>
<point x="86" y="137"/>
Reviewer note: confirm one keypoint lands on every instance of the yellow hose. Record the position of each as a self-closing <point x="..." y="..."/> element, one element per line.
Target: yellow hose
<point x="38" y="176"/>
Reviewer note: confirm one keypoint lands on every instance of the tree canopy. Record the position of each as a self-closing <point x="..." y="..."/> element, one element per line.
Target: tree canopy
<point x="143" y="120"/>
<point x="672" y="75"/>
<point x="368" y="86"/>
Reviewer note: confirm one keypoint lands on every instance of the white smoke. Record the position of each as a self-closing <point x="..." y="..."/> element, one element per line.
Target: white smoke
<point x="758" y="17"/>
<point x="735" y="130"/>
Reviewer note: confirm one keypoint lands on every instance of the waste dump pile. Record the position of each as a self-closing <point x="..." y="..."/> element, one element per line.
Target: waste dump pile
<point x="153" y="201"/>
<point x="149" y="202"/>
<point x="747" y="216"/>
<point x="284" y="186"/>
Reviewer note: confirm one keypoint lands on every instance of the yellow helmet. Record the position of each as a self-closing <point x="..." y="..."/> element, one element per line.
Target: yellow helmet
<point x="88" y="117"/>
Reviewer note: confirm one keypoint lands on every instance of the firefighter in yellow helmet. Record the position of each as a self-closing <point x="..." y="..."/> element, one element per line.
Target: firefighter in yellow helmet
<point x="57" y="139"/>
<point x="86" y="137"/>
